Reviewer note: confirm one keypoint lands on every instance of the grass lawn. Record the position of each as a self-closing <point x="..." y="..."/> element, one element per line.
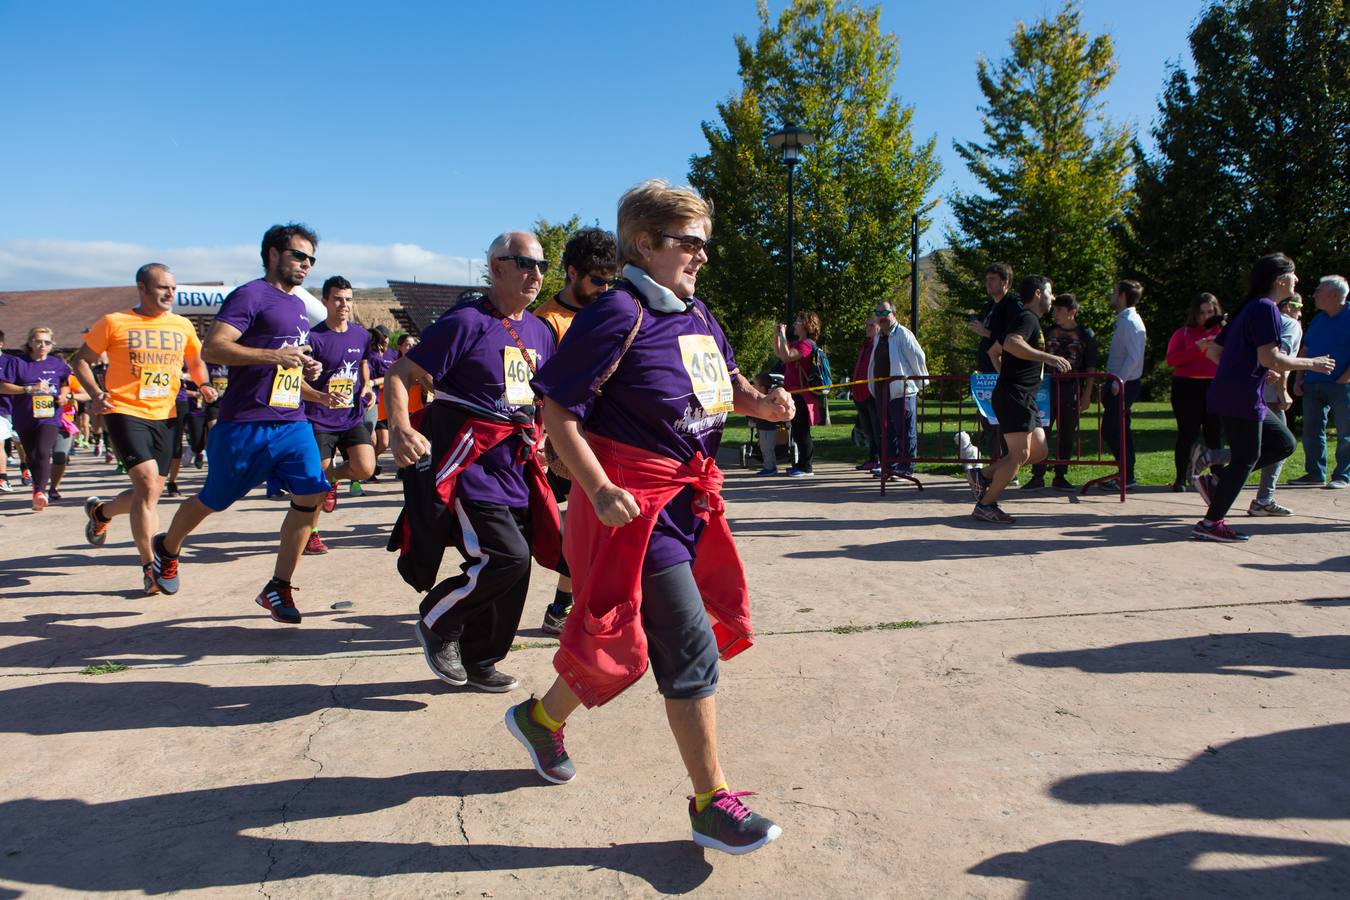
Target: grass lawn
<point x="1154" y="436"/>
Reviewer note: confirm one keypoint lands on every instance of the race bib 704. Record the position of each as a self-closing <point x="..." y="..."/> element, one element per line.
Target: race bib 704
<point x="285" y="388"/>
<point x="707" y="370"/>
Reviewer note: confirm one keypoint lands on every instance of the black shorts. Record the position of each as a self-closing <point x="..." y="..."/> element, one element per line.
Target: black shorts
<point x="1015" y="409"/>
<point x="212" y="411"/>
<point x="140" y="440"/>
<point x="331" y="441"/>
<point x="382" y="425"/>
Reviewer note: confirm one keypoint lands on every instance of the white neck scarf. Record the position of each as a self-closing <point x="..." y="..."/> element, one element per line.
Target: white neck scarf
<point x="659" y="298"/>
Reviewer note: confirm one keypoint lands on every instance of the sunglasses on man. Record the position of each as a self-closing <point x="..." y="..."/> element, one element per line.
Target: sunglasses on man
<point x="601" y="281"/>
<point x="526" y="263"/>
<point x="301" y="256"/>
<point x="882" y="313"/>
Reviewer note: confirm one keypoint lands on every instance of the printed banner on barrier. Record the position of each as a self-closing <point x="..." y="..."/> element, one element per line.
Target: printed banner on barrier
<point x="982" y="388"/>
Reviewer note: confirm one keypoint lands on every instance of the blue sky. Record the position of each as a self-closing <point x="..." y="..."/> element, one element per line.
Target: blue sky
<point x="409" y="134"/>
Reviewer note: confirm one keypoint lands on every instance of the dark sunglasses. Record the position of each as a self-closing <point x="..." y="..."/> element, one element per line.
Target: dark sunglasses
<point x="882" y="313"/>
<point x="301" y="256"/>
<point x="601" y="282"/>
<point x="40" y="341"/>
<point x="526" y="263"/>
<point x="691" y="242"/>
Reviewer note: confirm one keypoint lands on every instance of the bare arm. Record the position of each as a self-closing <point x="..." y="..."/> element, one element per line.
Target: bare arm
<point x="222" y="347"/>
<point x="1269" y="355"/>
<point x="406" y="443"/>
<point x="1017" y="346"/>
<point x="781" y="348"/>
<point x="614" y="506"/>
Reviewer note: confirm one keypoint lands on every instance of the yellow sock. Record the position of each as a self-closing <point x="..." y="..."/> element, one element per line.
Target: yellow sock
<point x="703" y="798"/>
<point x="541" y="717"/>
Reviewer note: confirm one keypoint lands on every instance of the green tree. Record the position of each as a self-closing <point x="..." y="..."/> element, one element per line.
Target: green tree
<point x="1253" y="154"/>
<point x="826" y="66"/>
<point x="1053" y="169"/>
<point x="553" y="238"/>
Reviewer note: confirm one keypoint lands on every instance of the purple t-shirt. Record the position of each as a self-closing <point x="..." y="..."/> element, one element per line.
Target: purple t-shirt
<point x="7" y="363"/>
<point x="1236" y="390"/>
<point x="29" y="371"/>
<point x="380" y="363"/>
<point x="651" y="401"/>
<point x="341" y="353"/>
<point x="267" y="319"/>
<point x="471" y="356"/>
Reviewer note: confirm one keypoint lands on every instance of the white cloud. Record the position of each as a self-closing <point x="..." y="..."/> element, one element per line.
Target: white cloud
<point x="40" y="265"/>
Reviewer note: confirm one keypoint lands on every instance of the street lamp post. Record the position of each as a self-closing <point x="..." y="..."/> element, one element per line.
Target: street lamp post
<point x="790" y="141"/>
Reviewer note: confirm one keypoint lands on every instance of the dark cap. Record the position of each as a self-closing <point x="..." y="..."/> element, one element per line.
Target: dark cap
<point x="381" y="329"/>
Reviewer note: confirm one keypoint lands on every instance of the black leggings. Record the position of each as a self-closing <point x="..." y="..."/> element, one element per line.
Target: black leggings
<point x="38" y="442"/>
<point x="196" y="433"/>
<point x="801" y="434"/>
<point x="1188" y="405"/>
<point x="1255" y="445"/>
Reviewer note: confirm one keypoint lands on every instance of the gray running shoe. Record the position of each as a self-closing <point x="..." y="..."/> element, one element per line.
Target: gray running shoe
<point x="545" y="747"/>
<point x="442" y="656"/>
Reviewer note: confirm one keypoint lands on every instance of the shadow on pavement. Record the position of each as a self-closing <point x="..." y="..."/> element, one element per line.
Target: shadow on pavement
<point x="83" y="706"/>
<point x="1297" y="774"/>
<point x="1181" y="864"/>
<point x="195" y="839"/>
<point x="1334" y="564"/>
<point x="1212" y="654"/>
<point x="58" y="639"/>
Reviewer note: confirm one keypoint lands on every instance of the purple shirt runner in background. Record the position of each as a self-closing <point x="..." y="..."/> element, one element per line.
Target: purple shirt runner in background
<point x="341" y="353"/>
<point x="1236" y="390"/>
<point x="478" y="366"/>
<point x="655" y="398"/>
<point x="267" y="319"/>
<point x="38" y="409"/>
<point x="8" y="363"/>
<point x="380" y="363"/>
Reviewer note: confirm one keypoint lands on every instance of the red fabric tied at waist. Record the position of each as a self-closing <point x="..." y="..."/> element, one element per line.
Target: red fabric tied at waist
<point x="603" y="647"/>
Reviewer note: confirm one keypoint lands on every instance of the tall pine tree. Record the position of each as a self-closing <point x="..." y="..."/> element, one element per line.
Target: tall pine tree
<point x="1054" y="171"/>
<point x="826" y="66"/>
<point x="1253" y="154"/>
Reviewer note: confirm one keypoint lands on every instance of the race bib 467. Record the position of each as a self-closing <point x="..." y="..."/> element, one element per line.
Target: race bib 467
<point x="707" y="370"/>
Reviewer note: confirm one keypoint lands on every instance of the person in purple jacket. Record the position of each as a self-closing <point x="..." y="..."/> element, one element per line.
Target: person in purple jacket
<point x="336" y="400"/>
<point x="482" y="355"/>
<point x="262" y="333"/>
<point x="1248" y="348"/>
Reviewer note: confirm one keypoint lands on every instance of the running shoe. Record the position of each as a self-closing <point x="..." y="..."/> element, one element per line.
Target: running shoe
<point x="276" y="599"/>
<point x="315" y="546"/>
<point x="198" y="460"/>
<point x="1034" y="483"/>
<point x="555" y="617"/>
<point x="330" y="499"/>
<point x="494" y="681"/>
<point x="6" y="486"/>
<point x="545" y="747"/>
<point x="1179" y="487"/>
<point x="355" y="489"/>
<point x="1203" y="458"/>
<point x="990" y="512"/>
<point x="1063" y="484"/>
<point x="39" y="501"/>
<point x="121" y="469"/>
<point x="795" y="472"/>
<point x="54" y="495"/>
<point x="148" y="579"/>
<point x="164" y="566"/>
<point x="978" y="483"/>
<point x="108" y="458"/>
<point x="1308" y="479"/>
<point x="1338" y="484"/>
<point x="24" y="478"/>
<point x="728" y="825"/>
<point x="767" y="471"/>
<point x="95" y="532"/>
<point x="867" y="466"/>
<point x="442" y="656"/>
<point x="171" y="489"/>
<point x="1268" y="508"/>
<point x="1218" y="532"/>
<point x="1205" y="485"/>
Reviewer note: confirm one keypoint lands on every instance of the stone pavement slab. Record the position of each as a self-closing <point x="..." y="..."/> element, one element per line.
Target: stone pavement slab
<point x="1095" y="706"/>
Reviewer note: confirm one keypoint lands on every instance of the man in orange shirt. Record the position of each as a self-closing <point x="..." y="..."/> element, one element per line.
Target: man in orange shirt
<point x="147" y="349"/>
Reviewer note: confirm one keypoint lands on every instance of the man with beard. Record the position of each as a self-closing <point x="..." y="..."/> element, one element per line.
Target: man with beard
<point x="262" y="333"/>
<point x="590" y="264"/>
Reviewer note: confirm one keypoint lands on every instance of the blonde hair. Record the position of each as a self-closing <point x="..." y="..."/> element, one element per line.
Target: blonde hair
<point x="36" y="330"/>
<point x="651" y="207"/>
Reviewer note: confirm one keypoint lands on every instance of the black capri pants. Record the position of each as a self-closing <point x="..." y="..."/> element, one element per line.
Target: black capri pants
<point x="680" y="642"/>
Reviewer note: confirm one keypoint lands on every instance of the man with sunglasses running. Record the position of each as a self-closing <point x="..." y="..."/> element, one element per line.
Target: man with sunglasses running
<point x="262" y="333"/>
<point x="472" y="476"/>
<point x="590" y="261"/>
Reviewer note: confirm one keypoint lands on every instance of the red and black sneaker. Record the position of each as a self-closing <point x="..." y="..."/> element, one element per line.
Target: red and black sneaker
<point x="330" y="499"/>
<point x="315" y="545"/>
<point x="276" y="599"/>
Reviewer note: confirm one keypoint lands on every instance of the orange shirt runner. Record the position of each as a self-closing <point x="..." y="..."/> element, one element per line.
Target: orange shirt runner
<point x="145" y="358"/>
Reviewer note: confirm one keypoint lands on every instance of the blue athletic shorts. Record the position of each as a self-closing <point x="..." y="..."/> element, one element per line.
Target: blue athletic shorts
<point x="242" y="455"/>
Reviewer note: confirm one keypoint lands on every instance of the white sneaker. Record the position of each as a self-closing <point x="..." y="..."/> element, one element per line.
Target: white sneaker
<point x="1269" y="508"/>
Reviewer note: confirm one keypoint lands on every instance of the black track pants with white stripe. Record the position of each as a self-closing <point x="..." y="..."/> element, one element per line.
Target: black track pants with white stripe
<point x="481" y="605"/>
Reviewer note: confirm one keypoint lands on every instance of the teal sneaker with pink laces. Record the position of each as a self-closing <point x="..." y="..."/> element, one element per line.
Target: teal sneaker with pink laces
<point x="728" y="825"/>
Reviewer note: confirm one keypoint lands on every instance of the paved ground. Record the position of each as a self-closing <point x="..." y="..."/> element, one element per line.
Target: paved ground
<point x="1094" y="707"/>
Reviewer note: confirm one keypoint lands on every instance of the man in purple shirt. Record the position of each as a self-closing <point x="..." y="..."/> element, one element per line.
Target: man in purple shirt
<point x="1250" y="347"/>
<point x="336" y="400"/>
<point x="262" y="333"/>
<point x="482" y="356"/>
<point x="6" y="415"/>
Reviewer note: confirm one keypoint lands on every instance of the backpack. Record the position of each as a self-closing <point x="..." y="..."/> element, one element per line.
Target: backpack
<point x="818" y="373"/>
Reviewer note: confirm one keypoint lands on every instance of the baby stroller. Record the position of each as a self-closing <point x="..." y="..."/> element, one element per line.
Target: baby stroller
<point x="784" y="448"/>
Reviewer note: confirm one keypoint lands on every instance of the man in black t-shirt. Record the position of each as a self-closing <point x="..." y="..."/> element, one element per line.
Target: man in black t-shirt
<point x="1019" y="353"/>
<point x="997" y="280"/>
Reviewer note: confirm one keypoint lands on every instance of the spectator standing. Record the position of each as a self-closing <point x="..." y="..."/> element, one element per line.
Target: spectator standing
<point x="1249" y="349"/>
<point x="1192" y="372"/>
<point x="895" y="351"/>
<point x="997" y="281"/>
<point x="1070" y="396"/>
<point x="861" y="395"/>
<point x="1126" y="362"/>
<point x="797" y="356"/>
<point x="1328" y="335"/>
<point x="1277" y="402"/>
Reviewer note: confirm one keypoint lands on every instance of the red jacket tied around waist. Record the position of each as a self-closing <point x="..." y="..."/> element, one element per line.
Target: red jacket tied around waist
<point x="603" y="648"/>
